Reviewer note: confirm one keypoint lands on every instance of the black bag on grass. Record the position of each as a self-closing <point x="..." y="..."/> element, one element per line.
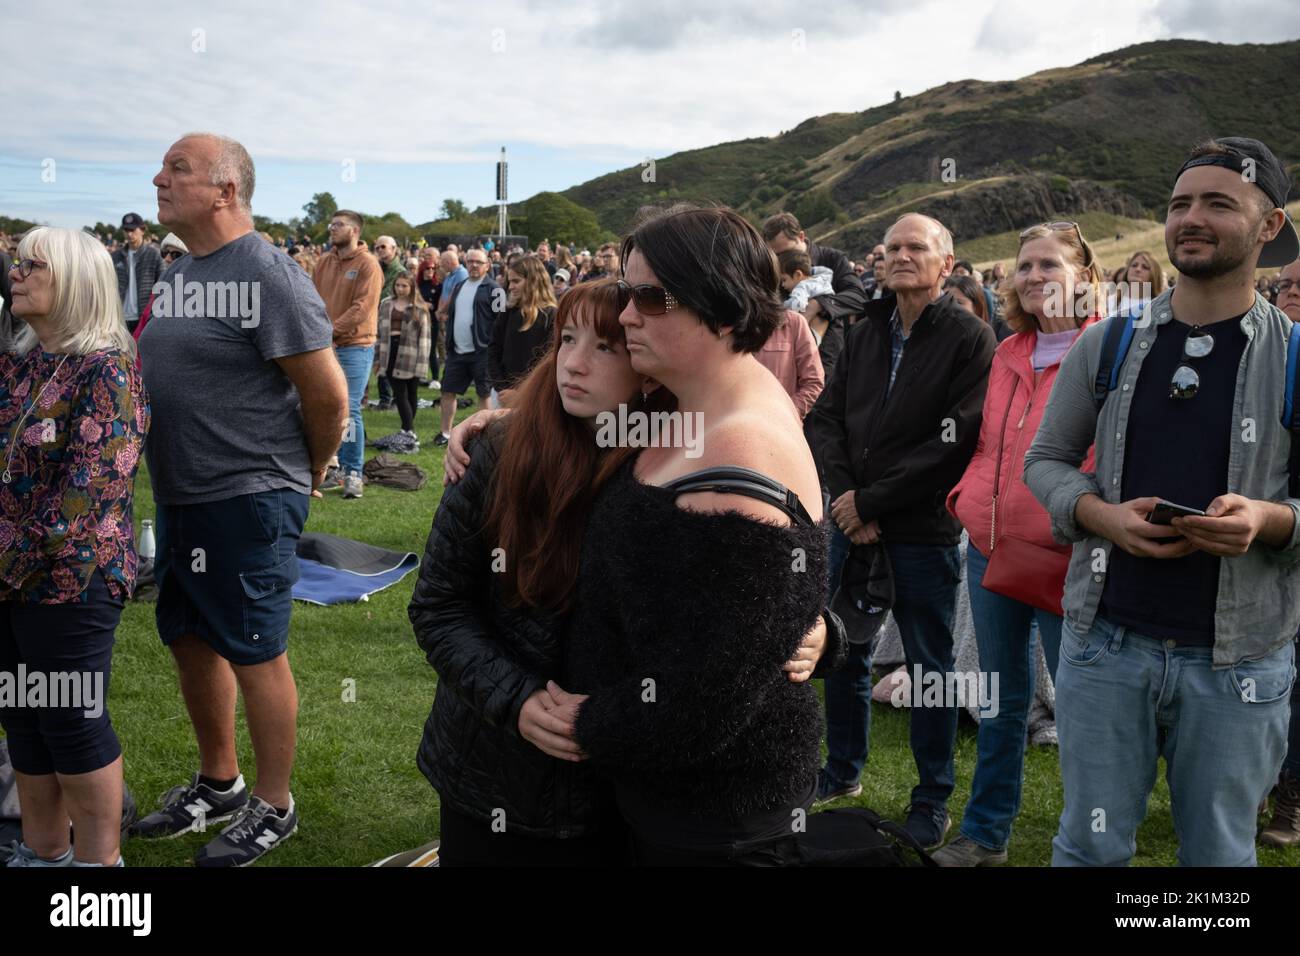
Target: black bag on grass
<point x="856" y="836"/>
<point x="391" y="472"/>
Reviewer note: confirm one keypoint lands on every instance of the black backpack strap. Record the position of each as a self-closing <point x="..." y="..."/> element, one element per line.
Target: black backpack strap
<point x="733" y="480"/>
<point x="1114" y="348"/>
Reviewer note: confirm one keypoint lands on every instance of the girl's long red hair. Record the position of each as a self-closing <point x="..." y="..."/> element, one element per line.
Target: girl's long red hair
<point x="550" y="468"/>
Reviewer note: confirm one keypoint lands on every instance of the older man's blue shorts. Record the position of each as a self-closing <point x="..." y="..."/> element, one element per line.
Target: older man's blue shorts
<point x="226" y="570"/>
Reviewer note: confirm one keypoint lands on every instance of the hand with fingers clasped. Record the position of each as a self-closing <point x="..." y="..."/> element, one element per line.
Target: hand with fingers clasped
<point x="844" y="510"/>
<point x="547" y="719"/>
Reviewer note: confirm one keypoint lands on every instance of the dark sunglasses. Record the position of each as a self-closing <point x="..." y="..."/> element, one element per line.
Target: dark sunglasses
<point x="649" y="299"/>
<point x="1186" y="383"/>
<point x="24" y="267"/>
<point x="1064" y="225"/>
<point x="172" y="254"/>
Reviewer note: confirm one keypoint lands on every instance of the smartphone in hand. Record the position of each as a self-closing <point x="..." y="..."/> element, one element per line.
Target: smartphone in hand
<point x="1166" y="511"/>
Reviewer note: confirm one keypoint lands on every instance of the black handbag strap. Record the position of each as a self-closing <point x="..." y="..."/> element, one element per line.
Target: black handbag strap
<point x="734" y="480"/>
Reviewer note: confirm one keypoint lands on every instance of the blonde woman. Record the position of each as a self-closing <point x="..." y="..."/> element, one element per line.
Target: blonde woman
<point x="1046" y="301"/>
<point x="73" y="416"/>
<point x="522" y="333"/>
<point x="1144" y="280"/>
<point x="402" y="352"/>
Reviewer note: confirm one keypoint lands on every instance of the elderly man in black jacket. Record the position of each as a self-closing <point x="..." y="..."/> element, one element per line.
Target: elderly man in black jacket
<point x="892" y="433"/>
<point x="826" y="314"/>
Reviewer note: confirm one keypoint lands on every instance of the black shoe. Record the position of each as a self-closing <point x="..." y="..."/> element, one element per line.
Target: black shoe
<point x="464" y="402"/>
<point x="828" y="789"/>
<point x="192" y="808"/>
<point x="440" y="440"/>
<point x="386" y="405"/>
<point x="928" y="824"/>
<point x="257" y="830"/>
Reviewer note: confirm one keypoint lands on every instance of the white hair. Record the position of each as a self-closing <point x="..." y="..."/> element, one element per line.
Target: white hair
<point x="232" y="164"/>
<point x="86" y="311"/>
<point x="945" y="237"/>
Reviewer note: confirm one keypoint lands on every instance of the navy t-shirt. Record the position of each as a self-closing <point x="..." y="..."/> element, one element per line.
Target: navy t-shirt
<point x="1176" y="449"/>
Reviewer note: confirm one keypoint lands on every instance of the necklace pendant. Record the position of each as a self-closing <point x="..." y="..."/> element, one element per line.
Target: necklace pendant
<point x="6" y="477"/>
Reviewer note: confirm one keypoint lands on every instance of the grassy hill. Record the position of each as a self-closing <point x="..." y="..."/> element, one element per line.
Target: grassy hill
<point x="1100" y="139"/>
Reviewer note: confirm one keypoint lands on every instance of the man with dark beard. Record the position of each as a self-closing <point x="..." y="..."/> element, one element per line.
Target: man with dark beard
<point x="1178" y="631"/>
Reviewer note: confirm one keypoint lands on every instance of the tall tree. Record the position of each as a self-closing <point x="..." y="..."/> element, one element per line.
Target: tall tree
<point x="454" y="209"/>
<point x="320" y="210"/>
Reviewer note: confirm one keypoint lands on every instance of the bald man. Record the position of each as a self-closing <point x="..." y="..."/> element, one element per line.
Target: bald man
<point x="922" y="421"/>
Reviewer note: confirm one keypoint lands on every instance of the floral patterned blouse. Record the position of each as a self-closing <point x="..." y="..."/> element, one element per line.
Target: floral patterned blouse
<point x="66" y="509"/>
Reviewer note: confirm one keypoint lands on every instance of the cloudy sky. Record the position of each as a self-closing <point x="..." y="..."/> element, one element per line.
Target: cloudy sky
<point x="399" y="105"/>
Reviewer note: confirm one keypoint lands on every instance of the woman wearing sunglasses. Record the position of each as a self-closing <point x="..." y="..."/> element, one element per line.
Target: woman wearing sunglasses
<point x="1047" y="302"/>
<point x="498" y="581"/>
<point x="703" y="566"/>
<point x="172" y="248"/>
<point x="73" y="417"/>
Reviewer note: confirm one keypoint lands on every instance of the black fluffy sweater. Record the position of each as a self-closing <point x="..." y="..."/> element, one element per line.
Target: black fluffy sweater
<point x="682" y="623"/>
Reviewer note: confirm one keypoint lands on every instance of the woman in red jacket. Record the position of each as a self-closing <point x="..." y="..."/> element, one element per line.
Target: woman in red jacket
<point x="1047" y="303"/>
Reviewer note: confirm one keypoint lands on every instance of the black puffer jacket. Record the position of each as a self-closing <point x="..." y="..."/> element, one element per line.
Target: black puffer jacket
<point x="708" y="607"/>
<point x="489" y="659"/>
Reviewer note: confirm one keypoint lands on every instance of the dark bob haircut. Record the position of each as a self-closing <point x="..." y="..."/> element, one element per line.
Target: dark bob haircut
<point x="716" y="264"/>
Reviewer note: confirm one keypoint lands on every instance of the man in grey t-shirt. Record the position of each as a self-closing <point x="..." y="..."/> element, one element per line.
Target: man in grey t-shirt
<point x="249" y="404"/>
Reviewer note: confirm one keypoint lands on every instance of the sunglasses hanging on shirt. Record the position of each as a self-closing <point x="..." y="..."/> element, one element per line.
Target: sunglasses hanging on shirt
<point x="1186" y="382"/>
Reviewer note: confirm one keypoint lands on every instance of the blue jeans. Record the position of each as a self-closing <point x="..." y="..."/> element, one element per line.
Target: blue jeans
<point x="1292" y="763"/>
<point x="848" y="694"/>
<point x="1004" y="634"/>
<point x="1124" y="700"/>
<point x="925" y="599"/>
<point x="356" y="361"/>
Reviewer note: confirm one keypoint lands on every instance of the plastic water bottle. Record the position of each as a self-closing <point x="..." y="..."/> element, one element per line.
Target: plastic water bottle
<point x="147" y="545"/>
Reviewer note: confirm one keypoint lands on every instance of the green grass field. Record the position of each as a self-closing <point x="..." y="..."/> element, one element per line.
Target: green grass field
<point x="359" y="794"/>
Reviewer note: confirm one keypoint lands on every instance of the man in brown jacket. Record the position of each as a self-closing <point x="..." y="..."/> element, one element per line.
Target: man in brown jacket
<point x="348" y="278"/>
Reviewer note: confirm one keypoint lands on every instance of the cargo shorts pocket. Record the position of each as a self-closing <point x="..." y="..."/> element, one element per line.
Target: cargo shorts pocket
<point x="268" y="601"/>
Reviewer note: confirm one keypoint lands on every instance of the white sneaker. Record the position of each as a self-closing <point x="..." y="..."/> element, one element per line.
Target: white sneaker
<point x="436" y="385"/>
<point x="352" y="486"/>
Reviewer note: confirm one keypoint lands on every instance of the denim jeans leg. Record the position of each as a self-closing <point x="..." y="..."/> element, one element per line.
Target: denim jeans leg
<point x="1106" y="721"/>
<point x="848" y="716"/>
<point x="926" y="578"/>
<point x="1049" y="635"/>
<point x="1223" y="748"/>
<point x="1292" y="763"/>
<point x="1004" y="636"/>
<point x="848" y="695"/>
<point x="355" y="361"/>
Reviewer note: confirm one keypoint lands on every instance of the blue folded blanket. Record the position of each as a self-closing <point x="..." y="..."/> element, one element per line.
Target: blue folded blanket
<point x="333" y="570"/>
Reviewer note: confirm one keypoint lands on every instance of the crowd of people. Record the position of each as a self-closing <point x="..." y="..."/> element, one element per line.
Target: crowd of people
<point x="1118" y="451"/>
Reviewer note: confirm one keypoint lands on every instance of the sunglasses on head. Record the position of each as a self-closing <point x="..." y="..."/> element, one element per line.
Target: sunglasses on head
<point x="649" y="299"/>
<point x="1186" y="382"/>
<point x="1063" y="225"/>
